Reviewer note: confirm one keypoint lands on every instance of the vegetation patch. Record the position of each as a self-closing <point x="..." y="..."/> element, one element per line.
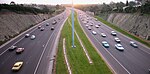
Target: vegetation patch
<point x="76" y="56"/>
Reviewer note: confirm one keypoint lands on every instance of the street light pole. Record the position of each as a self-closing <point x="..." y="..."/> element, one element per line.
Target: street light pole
<point x="73" y="25"/>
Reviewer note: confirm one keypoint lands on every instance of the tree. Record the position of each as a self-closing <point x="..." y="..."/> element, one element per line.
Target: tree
<point x="12" y="3"/>
<point x="127" y="3"/>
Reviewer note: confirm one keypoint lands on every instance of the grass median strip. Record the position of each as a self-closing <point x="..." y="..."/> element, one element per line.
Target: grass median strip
<point x="124" y="32"/>
<point x="76" y="56"/>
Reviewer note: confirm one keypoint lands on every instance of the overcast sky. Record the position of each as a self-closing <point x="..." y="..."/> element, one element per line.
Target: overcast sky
<point x="61" y="1"/>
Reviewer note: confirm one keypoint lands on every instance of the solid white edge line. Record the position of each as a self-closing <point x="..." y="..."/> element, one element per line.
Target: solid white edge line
<point x="65" y="55"/>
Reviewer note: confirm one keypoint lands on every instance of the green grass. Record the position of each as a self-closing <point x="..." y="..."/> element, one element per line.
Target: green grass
<point x="76" y="56"/>
<point x="124" y="32"/>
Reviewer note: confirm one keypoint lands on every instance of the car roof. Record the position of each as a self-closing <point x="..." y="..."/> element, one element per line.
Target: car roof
<point x="118" y="44"/>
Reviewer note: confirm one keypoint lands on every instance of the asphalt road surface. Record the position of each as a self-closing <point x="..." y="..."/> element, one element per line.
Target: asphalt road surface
<point x="38" y="52"/>
<point x="130" y="61"/>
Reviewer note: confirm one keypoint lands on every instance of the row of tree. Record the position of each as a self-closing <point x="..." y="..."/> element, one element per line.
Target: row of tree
<point x="120" y="7"/>
<point x="34" y="9"/>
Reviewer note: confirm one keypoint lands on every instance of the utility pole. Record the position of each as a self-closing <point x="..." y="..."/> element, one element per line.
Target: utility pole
<point x="73" y="26"/>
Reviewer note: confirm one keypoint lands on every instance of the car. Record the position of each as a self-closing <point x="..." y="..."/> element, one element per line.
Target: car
<point x="47" y="24"/>
<point x="54" y="22"/>
<point x="27" y="35"/>
<point x="119" y="47"/>
<point x="42" y="29"/>
<point x="89" y="28"/>
<point x="113" y="33"/>
<point x="94" y="33"/>
<point x="32" y="37"/>
<point x="12" y="48"/>
<point x="17" y="66"/>
<point x="86" y="25"/>
<point x="105" y="44"/>
<point x="99" y="24"/>
<point x="103" y="34"/>
<point x="52" y="28"/>
<point x="85" y="22"/>
<point x="39" y="27"/>
<point x="19" y="50"/>
<point x="96" y="26"/>
<point x="91" y="24"/>
<point x="117" y="40"/>
<point x="133" y="44"/>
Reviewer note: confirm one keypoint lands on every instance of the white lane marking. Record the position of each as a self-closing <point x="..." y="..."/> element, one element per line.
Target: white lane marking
<point x="85" y="51"/>
<point x="16" y="42"/>
<point x="65" y="55"/>
<point x="106" y="51"/>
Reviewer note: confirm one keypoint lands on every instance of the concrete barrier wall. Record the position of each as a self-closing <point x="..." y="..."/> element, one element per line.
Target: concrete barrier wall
<point x="133" y="23"/>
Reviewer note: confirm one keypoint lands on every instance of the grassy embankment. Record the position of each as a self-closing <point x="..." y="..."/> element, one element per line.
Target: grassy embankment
<point x="124" y="32"/>
<point x="76" y="56"/>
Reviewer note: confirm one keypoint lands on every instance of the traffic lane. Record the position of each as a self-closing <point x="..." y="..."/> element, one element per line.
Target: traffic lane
<point x="37" y="60"/>
<point x="46" y="59"/>
<point x="137" y="60"/>
<point x="108" y="58"/>
<point x="27" y="41"/>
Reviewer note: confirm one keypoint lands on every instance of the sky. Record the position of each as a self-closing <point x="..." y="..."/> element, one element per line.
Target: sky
<point x="54" y="2"/>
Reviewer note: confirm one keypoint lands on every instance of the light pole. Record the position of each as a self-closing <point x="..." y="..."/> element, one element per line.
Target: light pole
<point x="73" y="26"/>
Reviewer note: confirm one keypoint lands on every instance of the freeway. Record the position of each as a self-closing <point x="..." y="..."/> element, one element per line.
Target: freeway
<point x="130" y="61"/>
<point x="38" y="53"/>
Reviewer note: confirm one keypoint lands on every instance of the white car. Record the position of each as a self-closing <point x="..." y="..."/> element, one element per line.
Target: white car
<point x="86" y="25"/>
<point x="42" y="29"/>
<point x="94" y="33"/>
<point x="39" y="27"/>
<point x="32" y="37"/>
<point x="119" y="47"/>
<point x="103" y="34"/>
<point x="117" y="40"/>
<point x="89" y="28"/>
<point x="96" y="26"/>
<point x="27" y="35"/>
<point x="113" y="33"/>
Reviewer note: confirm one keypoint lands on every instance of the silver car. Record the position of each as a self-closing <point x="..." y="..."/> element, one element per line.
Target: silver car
<point x="133" y="44"/>
<point x="94" y="33"/>
<point x="113" y="33"/>
<point x="32" y="37"/>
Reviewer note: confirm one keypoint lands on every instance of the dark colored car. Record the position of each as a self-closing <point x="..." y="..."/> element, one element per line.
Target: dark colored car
<point x="12" y="48"/>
